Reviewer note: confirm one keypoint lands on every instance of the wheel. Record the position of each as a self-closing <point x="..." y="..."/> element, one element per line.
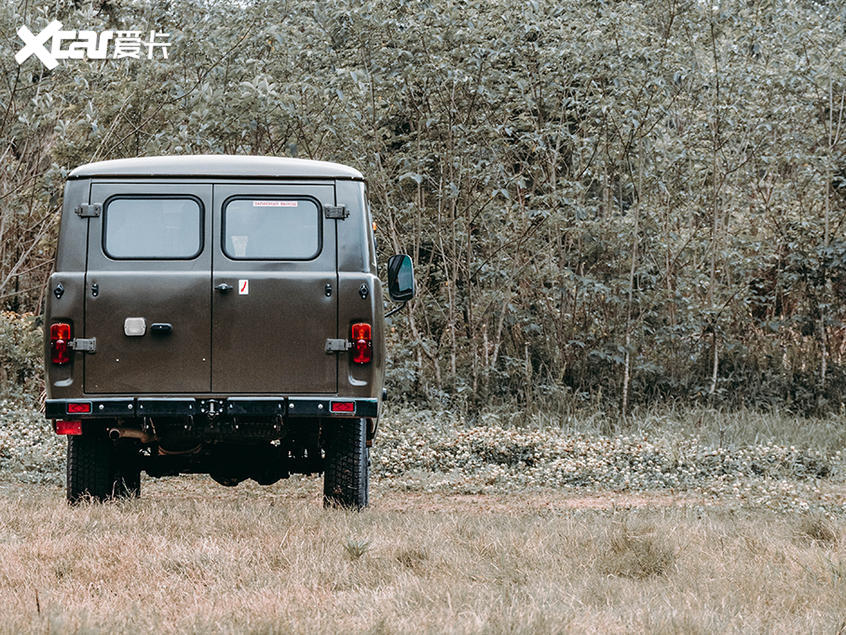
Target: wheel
<point x="132" y="483"/>
<point x="97" y="469"/>
<point x="346" y="475"/>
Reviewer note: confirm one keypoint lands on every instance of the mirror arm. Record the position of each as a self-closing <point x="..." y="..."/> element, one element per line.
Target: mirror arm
<point x="399" y="308"/>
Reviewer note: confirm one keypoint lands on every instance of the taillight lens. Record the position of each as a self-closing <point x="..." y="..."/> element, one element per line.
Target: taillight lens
<point x="60" y="334"/>
<point x="362" y="344"/>
<point x="68" y="427"/>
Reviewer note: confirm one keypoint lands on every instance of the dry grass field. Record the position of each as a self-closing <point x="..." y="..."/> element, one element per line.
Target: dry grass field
<point x="192" y="556"/>
<point x="691" y="521"/>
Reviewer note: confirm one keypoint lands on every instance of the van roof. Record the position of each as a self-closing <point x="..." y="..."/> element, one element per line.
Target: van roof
<point x="216" y="165"/>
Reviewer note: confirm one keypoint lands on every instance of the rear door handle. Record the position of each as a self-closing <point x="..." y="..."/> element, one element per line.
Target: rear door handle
<point x="161" y="328"/>
<point x="224" y="288"/>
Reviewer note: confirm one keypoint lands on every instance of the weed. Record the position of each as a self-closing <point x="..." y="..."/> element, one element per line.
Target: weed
<point x="815" y="527"/>
<point x="356" y="548"/>
<point x="412" y="557"/>
<point x="637" y="553"/>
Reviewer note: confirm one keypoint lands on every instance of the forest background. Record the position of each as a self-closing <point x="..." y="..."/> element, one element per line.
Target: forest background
<point x="609" y="204"/>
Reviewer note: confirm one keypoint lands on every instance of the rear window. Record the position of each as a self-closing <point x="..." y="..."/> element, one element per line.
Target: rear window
<point x="153" y="227"/>
<point x="271" y="229"/>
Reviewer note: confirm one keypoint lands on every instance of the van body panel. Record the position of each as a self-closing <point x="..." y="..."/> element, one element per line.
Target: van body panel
<point x="353" y="251"/>
<point x="161" y="291"/>
<point x="355" y="379"/>
<point x="357" y="272"/>
<point x="65" y="295"/>
<point x="270" y="337"/>
<point x="66" y="306"/>
<point x="273" y="339"/>
<point x="70" y="252"/>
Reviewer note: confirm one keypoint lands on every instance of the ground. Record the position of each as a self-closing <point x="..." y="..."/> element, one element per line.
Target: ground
<point x="473" y="528"/>
<point x="194" y="556"/>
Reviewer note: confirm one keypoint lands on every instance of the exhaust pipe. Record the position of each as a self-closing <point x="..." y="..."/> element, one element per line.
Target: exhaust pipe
<point x="130" y="433"/>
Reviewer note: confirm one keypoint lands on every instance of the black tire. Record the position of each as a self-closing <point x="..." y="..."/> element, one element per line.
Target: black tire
<point x="99" y="471"/>
<point x="346" y="476"/>
<point x="127" y="473"/>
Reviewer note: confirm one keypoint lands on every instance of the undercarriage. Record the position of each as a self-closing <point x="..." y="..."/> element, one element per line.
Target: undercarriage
<point x="232" y="440"/>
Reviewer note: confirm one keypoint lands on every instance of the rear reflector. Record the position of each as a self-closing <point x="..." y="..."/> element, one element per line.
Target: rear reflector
<point x="59" y="341"/>
<point x="68" y="427"/>
<point x="342" y="406"/>
<point x="79" y="408"/>
<point x="362" y="344"/>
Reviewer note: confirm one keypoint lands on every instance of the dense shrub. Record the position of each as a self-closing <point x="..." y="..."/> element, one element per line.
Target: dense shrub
<point x="21" y="355"/>
<point x="634" y="200"/>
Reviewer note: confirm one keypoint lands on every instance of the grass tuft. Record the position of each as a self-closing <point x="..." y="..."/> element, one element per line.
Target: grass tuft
<point x="356" y="548"/>
<point x="815" y="527"/>
<point x="637" y="553"/>
<point x="412" y="557"/>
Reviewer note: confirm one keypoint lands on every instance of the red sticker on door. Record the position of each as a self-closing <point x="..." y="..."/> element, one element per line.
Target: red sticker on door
<point x="243" y="287"/>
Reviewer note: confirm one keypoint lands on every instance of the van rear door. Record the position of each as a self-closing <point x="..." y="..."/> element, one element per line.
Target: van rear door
<point x="275" y="289"/>
<point x="148" y="284"/>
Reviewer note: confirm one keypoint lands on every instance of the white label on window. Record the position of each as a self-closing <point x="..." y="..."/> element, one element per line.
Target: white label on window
<point x="275" y="203"/>
<point x="243" y="287"/>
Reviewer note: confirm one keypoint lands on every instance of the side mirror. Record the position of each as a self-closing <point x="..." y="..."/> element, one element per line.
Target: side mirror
<point x="400" y="278"/>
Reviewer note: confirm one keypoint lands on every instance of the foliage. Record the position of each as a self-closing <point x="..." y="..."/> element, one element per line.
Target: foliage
<point x="765" y="464"/>
<point x="21" y="354"/>
<point x="605" y="201"/>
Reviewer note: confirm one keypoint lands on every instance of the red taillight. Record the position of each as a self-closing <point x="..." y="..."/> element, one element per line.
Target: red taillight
<point x="362" y="344"/>
<point x="60" y="333"/>
<point x="342" y="406"/>
<point x="79" y="408"/>
<point x="68" y="427"/>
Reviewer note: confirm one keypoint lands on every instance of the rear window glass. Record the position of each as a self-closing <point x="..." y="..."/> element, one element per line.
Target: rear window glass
<point x="152" y="227"/>
<point x="271" y="229"/>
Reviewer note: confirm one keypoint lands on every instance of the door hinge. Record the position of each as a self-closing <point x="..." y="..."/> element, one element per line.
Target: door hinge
<point x="338" y="212"/>
<point x="337" y="346"/>
<point x="88" y="211"/>
<point x="86" y="345"/>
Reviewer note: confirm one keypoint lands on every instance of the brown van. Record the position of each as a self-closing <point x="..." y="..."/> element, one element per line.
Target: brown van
<point x="219" y="315"/>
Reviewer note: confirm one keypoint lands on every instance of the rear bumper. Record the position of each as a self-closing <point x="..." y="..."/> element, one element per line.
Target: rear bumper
<point x="139" y="407"/>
